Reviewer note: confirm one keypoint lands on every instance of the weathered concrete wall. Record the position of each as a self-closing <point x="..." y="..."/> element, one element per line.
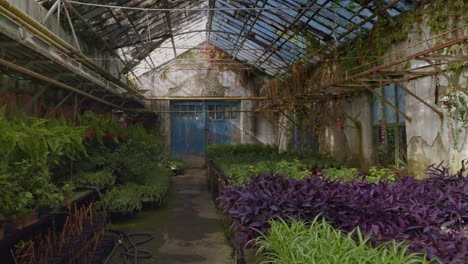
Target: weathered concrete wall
<point x="429" y="137"/>
<point x="351" y="143"/>
<point x="194" y="75"/>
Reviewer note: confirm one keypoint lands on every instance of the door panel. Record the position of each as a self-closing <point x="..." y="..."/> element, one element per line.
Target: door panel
<point x="196" y="124"/>
<point x="187" y="129"/>
<point x="223" y="123"/>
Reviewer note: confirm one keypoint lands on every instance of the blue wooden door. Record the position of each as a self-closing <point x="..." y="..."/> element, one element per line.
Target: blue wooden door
<point x="187" y="128"/>
<point x="197" y="124"/>
<point x="222" y="123"/>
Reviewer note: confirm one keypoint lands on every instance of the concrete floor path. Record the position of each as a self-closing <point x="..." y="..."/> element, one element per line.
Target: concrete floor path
<point x="187" y="227"/>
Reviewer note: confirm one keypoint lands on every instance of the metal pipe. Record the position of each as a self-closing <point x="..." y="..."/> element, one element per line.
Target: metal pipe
<point x="410" y="57"/>
<point x="204" y="98"/>
<point x="41" y="77"/>
<point x="371" y="89"/>
<point x="106" y="43"/>
<point x="16" y="14"/>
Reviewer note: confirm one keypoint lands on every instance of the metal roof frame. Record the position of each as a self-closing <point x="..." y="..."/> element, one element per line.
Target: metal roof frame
<point x="144" y="30"/>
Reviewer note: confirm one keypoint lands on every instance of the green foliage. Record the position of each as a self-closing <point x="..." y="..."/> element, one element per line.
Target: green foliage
<point x="342" y="174"/>
<point x="123" y="199"/>
<point x="455" y="104"/>
<point x="38" y="155"/>
<point x="14" y="200"/>
<point x="44" y="143"/>
<point x="319" y="242"/>
<point x="175" y="164"/>
<point x="99" y="157"/>
<point x="238" y="162"/>
<point x="376" y="175"/>
<point x="99" y="124"/>
<point x="100" y="179"/>
<point x="24" y="189"/>
<point x="135" y="159"/>
<point x="102" y="125"/>
<point x="128" y="198"/>
<point x="240" y="149"/>
<point x="155" y="185"/>
<point x="239" y="174"/>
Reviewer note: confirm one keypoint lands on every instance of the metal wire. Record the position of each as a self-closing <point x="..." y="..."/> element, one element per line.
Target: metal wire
<point x="211" y="9"/>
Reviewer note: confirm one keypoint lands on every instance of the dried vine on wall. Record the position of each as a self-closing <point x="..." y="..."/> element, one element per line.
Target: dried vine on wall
<point x="302" y="84"/>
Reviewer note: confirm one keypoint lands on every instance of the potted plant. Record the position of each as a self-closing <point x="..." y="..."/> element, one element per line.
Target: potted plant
<point x="22" y="209"/>
<point x="2" y="230"/>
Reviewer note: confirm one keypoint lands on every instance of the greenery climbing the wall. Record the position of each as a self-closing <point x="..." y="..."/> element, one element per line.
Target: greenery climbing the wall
<point x="455" y="103"/>
<point x="322" y="65"/>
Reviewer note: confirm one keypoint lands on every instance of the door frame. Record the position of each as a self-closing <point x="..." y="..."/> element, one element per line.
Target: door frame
<point x="205" y="104"/>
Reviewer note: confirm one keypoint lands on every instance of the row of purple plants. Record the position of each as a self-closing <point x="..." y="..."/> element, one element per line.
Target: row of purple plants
<point x="430" y="214"/>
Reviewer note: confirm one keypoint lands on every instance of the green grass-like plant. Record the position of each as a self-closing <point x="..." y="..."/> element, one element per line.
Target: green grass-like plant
<point x="155" y="185"/>
<point x="318" y="242"/>
<point x="375" y="175"/>
<point x="240" y="174"/>
<point x="100" y="179"/>
<point x="123" y="200"/>
<point x="342" y="174"/>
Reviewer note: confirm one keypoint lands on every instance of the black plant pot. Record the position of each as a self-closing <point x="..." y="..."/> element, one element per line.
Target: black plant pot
<point x="10" y="228"/>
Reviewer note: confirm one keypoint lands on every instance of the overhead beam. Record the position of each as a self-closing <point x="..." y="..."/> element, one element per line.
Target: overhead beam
<point x="167" y="17"/>
<point x="105" y="41"/>
<point x="237" y="48"/>
<point x="35" y="75"/>
<point x="283" y="32"/>
<point x="408" y="91"/>
<point x="211" y="5"/>
<point x="371" y="89"/>
<point x="137" y="33"/>
<point x="359" y="25"/>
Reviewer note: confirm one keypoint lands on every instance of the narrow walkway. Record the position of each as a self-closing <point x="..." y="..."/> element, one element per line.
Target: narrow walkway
<point x="187" y="228"/>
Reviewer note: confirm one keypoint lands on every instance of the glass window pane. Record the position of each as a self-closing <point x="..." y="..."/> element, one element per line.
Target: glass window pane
<point x="174" y="111"/>
<point x="401" y="105"/>
<point x="183" y="109"/>
<point x="227" y="112"/>
<point x="198" y="115"/>
<point x="390" y="113"/>
<point x="219" y="112"/>
<point x="234" y="113"/>
<point x="191" y="113"/>
<point x="211" y="113"/>
<point x="377" y="108"/>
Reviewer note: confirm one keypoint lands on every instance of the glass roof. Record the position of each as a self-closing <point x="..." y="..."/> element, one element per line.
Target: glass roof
<point x="269" y="35"/>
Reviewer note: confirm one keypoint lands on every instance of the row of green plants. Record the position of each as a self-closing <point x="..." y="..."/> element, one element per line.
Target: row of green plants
<point x="240" y="162"/>
<point x="44" y="161"/>
<point x="319" y="242"/>
<point x="394" y="212"/>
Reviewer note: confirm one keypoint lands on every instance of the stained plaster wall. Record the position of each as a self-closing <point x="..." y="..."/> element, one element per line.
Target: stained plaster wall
<point x="351" y="143"/>
<point x="193" y="75"/>
<point x="429" y="138"/>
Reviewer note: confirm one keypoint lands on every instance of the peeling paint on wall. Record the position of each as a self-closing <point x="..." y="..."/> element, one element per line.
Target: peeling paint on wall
<point x="196" y="76"/>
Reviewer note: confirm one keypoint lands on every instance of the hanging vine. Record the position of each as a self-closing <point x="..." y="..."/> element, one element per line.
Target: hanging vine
<point x="319" y="68"/>
<point x="455" y="103"/>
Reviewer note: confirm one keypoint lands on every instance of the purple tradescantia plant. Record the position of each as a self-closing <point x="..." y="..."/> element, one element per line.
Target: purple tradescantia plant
<point x="432" y="214"/>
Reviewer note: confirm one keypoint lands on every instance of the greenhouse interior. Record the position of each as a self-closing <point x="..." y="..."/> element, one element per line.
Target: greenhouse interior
<point x="233" y="131"/>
